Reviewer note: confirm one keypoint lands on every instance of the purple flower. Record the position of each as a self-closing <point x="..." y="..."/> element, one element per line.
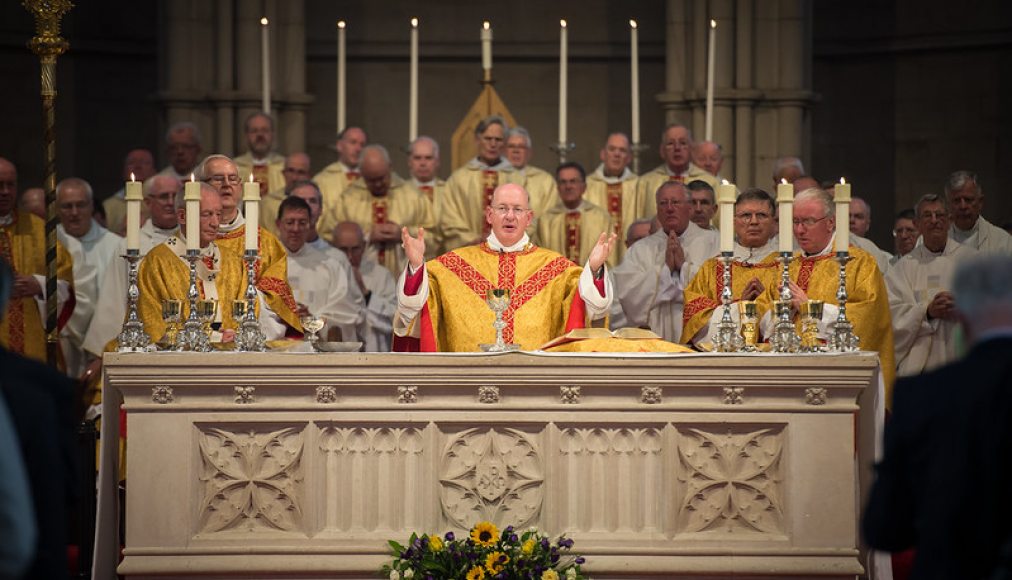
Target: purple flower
<point x="580" y="560"/>
<point x="513" y="538"/>
<point x="449" y="536"/>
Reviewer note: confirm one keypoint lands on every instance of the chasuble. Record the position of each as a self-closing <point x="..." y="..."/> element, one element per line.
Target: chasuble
<point x="618" y="196"/>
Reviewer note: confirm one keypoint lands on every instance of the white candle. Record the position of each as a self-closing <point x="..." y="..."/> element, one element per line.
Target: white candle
<point x="709" y="79"/>
<point x="265" y="64"/>
<point x="634" y="58"/>
<point x="251" y="200"/>
<point x="563" y="72"/>
<point x="191" y="194"/>
<point x="413" y="89"/>
<point x="133" y="213"/>
<point x="341" y="103"/>
<point x="486" y="46"/>
<point x="725" y="199"/>
<point x="785" y="212"/>
<point x="841" y="195"/>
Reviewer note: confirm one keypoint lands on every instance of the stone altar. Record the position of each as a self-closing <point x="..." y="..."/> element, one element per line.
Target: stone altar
<point x="291" y="465"/>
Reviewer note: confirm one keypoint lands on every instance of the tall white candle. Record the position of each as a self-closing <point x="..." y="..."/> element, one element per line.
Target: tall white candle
<point x="841" y="196"/>
<point x="191" y="194"/>
<point x="710" y="59"/>
<point x="785" y="213"/>
<point x="134" y="196"/>
<point x="634" y="58"/>
<point x="341" y="84"/>
<point x="563" y="73"/>
<point x="486" y="46"/>
<point x="251" y="201"/>
<point x="265" y="65"/>
<point x="725" y="199"/>
<point x="413" y="89"/>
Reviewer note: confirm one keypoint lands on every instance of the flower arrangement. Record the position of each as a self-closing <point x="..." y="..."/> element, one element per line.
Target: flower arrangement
<point x="485" y="554"/>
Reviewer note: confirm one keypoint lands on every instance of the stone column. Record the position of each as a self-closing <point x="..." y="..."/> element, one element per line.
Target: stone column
<point x="224" y="75"/>
<point x="290" y="81"/>
<point x="188" y="40"/>
<point x="762" y="85"/>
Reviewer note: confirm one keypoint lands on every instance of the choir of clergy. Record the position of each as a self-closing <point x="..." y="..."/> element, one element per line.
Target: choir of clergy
<point x="497" y="223"/>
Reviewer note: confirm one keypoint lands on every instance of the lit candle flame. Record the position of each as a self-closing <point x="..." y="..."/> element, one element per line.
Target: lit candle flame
<point x="632" y="23"/>
<point x="192" y="178"/>
<point x="843" y="181"/>
<point x="485" y="25"/>
<point x="132" y="178"/>
<point x="251" y="178"/>
<point x="263" y="21"/>
<point x="414" y="23"/>
<point x="713" y="24"/>
<point x="340" y="24"/>
<point x="724" y="181"/>
<point x="562" y="23"/>
<point x="783" y="180"/>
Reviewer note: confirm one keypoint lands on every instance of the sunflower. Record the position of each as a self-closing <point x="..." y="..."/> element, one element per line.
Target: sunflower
<point x="478" y="573"/>
<point x="495" y="562"/>
<point x="435" y="543"/>
<point x="528" y="547"/>
<point x="485" y="534"/>
<point x="549" y="575"/>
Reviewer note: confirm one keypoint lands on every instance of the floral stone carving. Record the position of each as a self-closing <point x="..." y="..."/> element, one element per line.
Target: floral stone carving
<point x="570" y="395"/>
<point x="326" y="394"/>
<point x="495" y="476"/>
<point x="731" y="480"/>
<point x="815" y="396"/>
<point x="252" y="480"/>
<point x="245" y="395"/>
<point x="162" y="394"/>
<point x="488" y="395"/>
<point x="407" y="394"/>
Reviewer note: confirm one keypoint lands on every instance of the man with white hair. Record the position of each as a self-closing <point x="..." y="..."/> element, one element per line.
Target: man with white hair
<point x="860" y="222"/>
<point x="183" y="148"/>
<point x="540" y="184"/>
<point x="676" y="152"/>
<point x="98" y="248"/>
<point x="381" y="203"/>
<point x="925" y="321"/>
<point x="272" y="273"/>
<point x="966" y="200"/>
<point x="789" y="169"/>
<point x="612" y="186"/>
<point x="423" y="163"/>
<point x="260" y="159"/>
<point x="469" y="190"/>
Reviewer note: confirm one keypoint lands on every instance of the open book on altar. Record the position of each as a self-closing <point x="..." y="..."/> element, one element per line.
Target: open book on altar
<point x="628" y="333"/>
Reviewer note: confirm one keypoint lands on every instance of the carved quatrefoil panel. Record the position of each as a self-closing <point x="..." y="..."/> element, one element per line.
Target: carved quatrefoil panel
<point x="492" y="475"/>
<point x="732" y="479"/>
<point x="251" y="479"/>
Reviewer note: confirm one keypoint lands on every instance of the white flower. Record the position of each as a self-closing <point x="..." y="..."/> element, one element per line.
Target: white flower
<point x="395" y="575"/>
<point x="571" y="574"/>
<point x="533" y="529"/>
<point x="409" y="573"/>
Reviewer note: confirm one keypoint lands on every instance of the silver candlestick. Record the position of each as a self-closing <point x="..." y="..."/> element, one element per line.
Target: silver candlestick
<point x="728" y="338"/>
<point x="133" y="338"/>
<point x="562" y="150"/>
<point x="785" y="337"/>
<point x="192" y="337"/>
<point x="250" y="337"/>
<point x="843" y="338"/>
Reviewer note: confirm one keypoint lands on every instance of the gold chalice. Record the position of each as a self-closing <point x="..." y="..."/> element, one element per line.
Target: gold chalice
<point x="205" y="313"/>
<point x="811" y="314"/>
<point x="171" y="314"/>
<point x="749" y="314"/>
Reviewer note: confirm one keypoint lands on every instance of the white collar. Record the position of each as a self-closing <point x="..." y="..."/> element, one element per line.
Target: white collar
<point x="626" y="174"/>
<point x="501" y="165"/>
<point x="494" y="243"/>
<point x="236" y="223"/>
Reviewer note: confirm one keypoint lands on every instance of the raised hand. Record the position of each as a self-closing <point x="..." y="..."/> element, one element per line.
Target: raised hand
<point x="414" y="248"/>
<point x="601" y="251"/>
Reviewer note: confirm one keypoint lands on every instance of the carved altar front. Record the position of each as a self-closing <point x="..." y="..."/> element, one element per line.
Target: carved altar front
<point x="303" y="465"/>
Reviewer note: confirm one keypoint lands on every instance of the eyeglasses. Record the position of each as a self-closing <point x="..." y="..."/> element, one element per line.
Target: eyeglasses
<point x="904" y="232"/>
<point x="504" y="210"/>
<point x="927" y="215"/>
<point x="808" y="222"/>
<point x="671" y="203"/>
<point x="221" y="179"/>
<point x="746" y="217"/>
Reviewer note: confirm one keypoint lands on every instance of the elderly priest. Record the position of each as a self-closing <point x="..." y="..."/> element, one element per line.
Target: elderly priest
<point x="442" y="303"/>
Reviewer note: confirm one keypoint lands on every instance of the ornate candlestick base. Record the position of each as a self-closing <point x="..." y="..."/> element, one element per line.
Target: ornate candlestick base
<point x="785" y="337"/>
<point x="843" y="338"/>
<point x="132" y="337"/>
<point x="728" y="338"/>
<point x="249" y="337"/>
<point x="562" y="150"/>
<point x="192" y="336"/>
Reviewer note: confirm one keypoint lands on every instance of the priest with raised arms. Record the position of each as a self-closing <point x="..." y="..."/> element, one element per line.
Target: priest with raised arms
<point x="441" y="303"/>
